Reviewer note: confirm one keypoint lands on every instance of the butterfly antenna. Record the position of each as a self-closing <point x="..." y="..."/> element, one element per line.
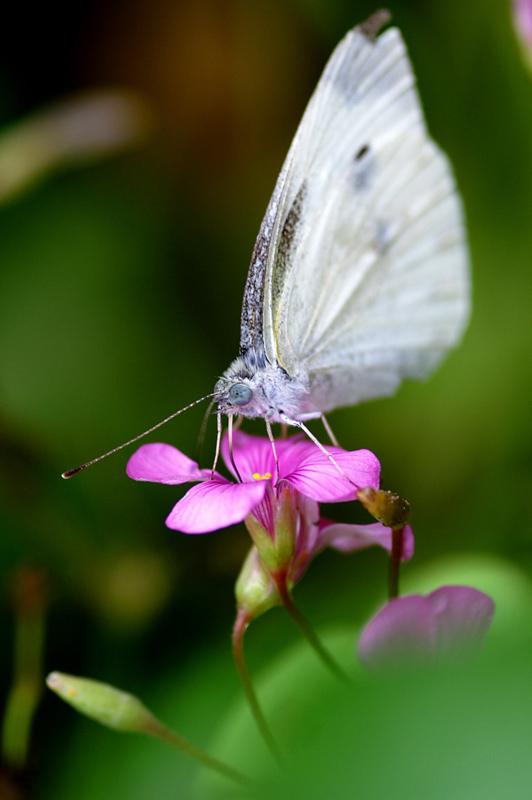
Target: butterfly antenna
<point x="312" y="438"/>
<point x="230" y="442"/>
<point x="70" y="472"/>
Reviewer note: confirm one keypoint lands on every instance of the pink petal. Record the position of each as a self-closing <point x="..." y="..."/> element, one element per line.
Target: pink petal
<point x="451" y="621"/>
<point x="401" y="634"/>
<point x="311" y="472"/>
<point x="463" y="616"/>
<point x="522" y="10"/>
<point x="162" y="463"/>
<point x="215" y="504"/>
<point x="252" y="454"/>
<point x="349" y="538"/>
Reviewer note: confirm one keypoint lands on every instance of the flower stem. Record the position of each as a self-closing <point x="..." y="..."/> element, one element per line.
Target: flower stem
<point x="241" y="623"/>
<point x="395" y="562"/>
<point x="30" y="600"/>
<point x="306" y="628"/>
<point x="160" y="731"/>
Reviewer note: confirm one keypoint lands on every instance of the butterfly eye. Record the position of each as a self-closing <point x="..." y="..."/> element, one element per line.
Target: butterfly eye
<point x="240" y="394"/>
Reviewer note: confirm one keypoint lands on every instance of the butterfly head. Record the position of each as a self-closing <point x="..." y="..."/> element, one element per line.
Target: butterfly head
<point x="253" y="387"/>
<point x="237" y="391"/>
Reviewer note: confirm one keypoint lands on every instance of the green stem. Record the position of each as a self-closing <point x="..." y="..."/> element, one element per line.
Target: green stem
<point x="306" y="628"/>
<point x="160" y="731"/>
<point x="24" y="695"/>
<point x="395" y="562"/>
<point x="241" y="623"/>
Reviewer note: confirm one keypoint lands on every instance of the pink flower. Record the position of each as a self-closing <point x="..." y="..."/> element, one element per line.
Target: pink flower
<point x="522" y="14"/>
<point x="414" y="629"/>
<point x="272" y="509"/>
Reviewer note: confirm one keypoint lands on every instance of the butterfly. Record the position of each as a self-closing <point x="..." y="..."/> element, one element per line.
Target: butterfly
<point x="360" y="273"/>
<point x="359" y="276"/>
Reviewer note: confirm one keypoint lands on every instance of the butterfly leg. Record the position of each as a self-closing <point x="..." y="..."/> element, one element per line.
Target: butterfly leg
<point x="298" y="424"/>
<point x="230" y="438"/>
<point x="218" y="442"/>
<point x="272" y="441"/>
<point x="328" y="428"/>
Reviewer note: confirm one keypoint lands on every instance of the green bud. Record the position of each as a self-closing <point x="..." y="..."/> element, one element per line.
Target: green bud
<point x="386" y="507"/>
<point x="103" y="703"/>
<point x="255" y="590"/>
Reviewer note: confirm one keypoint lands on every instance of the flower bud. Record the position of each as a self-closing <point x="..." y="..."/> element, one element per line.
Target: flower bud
<point x="386" y="507"/>
<point x="103" y="703"/>
<point x="255" y="590"/>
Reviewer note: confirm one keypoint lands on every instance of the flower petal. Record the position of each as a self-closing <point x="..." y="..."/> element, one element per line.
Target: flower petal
<point x="401" y="634"/>
<point x="162" y="463"/>
<point x="451" y="621"/>
<point x="350" y="538"/>
<point x="463" y="617"/>
<point x="252" y="454"/>
<point x="309" y="470"/>
<point x="215" y="504"/>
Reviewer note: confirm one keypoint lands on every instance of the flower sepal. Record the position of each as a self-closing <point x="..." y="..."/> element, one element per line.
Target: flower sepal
<point x="263" y="541"/>
<point x="285" y="529"/>
<point x="276" y="547"/>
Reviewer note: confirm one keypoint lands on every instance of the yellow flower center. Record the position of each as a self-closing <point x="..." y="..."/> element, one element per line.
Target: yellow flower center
<point x="258" y="477"/>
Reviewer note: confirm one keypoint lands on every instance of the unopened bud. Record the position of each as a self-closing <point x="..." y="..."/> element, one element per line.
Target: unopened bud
<point x="255" y="589"/>
<point x="386" y="507"/>
<point x="102" y="702"/>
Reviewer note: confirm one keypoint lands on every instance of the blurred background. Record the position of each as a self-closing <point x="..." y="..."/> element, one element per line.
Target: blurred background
<point x="140" y="143"/>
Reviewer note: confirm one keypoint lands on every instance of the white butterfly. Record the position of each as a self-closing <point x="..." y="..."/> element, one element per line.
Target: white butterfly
<point x="359" y="276"/>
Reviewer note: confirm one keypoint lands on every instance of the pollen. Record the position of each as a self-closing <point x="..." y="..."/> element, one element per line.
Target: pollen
<point x="258" y="477"/>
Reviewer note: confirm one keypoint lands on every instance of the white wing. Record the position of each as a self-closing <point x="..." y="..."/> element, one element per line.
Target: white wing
<point x="360" y="264"/>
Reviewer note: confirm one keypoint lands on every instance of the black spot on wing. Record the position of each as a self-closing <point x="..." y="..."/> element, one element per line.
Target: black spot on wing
<point x="363" y="168"/>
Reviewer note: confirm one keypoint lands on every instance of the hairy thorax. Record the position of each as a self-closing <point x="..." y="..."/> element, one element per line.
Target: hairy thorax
<point x="254" y="387"/>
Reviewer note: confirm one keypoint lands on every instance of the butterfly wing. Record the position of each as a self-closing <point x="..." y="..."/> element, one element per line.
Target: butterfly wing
<point x="360" y="269"/>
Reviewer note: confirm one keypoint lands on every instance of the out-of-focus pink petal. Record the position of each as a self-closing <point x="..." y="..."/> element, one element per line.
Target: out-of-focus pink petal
<point x="215" y="504"/>
<point x="252" y="454"/>
<point x="463" y="617"/>
<point x="349" y="538"/>
<point x="451" y="621"/>
<point x="402" y="633"/>
<point x="162" y="463"/>
<point x="312" y="473"/>
<point x="522" y="11"/>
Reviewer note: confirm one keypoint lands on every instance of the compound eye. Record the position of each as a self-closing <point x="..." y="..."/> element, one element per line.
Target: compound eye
<point x="240" y="394"/>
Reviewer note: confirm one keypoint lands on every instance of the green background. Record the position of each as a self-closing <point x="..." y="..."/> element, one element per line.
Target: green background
<point x="120" y="292"/>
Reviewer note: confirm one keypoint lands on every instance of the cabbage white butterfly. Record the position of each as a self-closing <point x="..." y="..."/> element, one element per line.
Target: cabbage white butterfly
<point x="359" y="276"/>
